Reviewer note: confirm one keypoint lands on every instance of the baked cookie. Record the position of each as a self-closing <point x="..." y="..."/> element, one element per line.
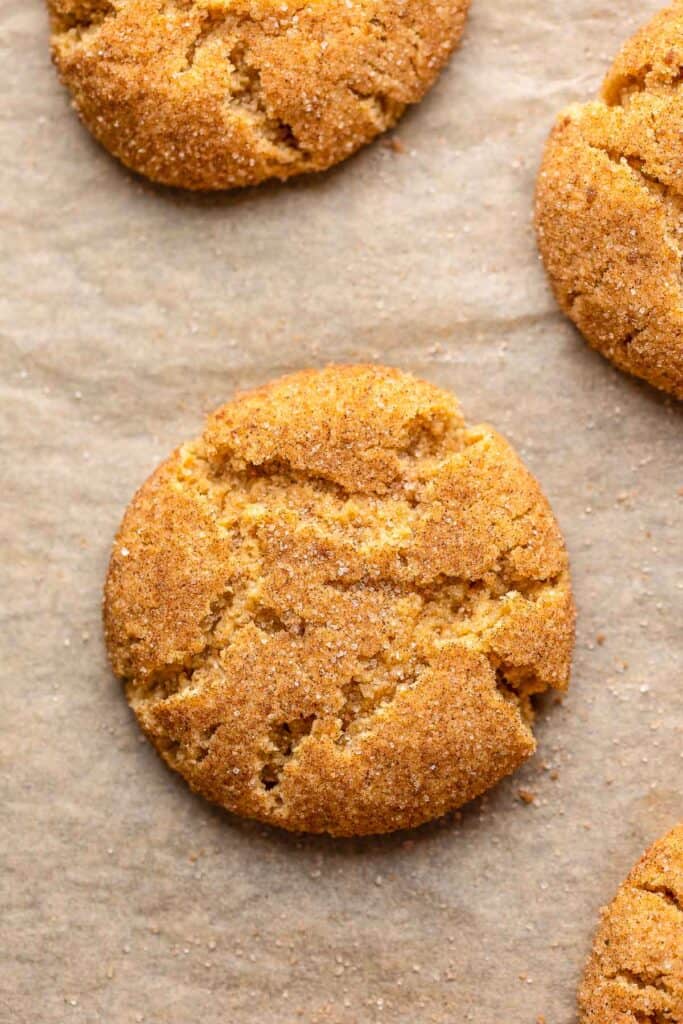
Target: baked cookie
<point x="635" y="973"/>
<point x="331" y="610"/>
<point x="609" y="208"/>
<point x="210" y="94"/>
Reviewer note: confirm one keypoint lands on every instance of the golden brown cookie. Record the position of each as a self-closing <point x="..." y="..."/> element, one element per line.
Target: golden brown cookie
<point x="332" y="609"/>
<point x="609" y="208"/>
<point x="635" y="973"/>
<point x="210" y="94"/>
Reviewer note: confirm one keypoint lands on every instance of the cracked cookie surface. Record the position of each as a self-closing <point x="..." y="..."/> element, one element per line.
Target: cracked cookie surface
<point x="332" y="610"/>
<point x="609" y="208"/>
<point x="212" y="94"/>
<point x="635" y="973"/>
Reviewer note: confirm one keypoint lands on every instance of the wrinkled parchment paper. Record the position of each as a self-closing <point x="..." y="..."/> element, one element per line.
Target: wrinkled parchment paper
<point x="126" y="313"/>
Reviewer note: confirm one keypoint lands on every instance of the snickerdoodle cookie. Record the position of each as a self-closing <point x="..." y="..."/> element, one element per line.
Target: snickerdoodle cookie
<point x="635" y="973"/>
<point x="210" y="94"/>
<point x="609" y="208"/>
<point x="332" y="609"/>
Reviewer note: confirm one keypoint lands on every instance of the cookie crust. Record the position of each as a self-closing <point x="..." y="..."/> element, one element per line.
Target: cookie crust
<point x="332" y="609"/>
<point x="609" y="208"/>
<point x="212" y="94"/>
<point x="635" y="973"/>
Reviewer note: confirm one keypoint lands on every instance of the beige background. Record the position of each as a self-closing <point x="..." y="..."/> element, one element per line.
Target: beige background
<point x="126" y="313"/>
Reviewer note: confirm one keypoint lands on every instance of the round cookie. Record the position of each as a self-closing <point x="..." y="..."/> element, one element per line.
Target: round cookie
<point x="609" y="208"/>
<point x="211" y="94"/>
<point x="635" y="973"/>
<point x="332" y="609"/>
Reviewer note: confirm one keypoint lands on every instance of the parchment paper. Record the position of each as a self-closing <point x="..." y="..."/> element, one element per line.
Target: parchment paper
<point x="126" y="313"/>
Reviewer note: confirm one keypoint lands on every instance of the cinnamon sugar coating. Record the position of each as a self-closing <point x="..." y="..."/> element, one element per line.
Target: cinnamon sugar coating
<point x="211" y="94"/>
<point x="609" y="209"/>
<point x="635" y="973"/>
<point x="332" y="609"/>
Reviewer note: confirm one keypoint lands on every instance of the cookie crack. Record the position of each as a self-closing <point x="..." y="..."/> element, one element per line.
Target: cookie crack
<point x="639" y="980"/>
<point x="517" y="684"/>
<point x="619" y="93"/>
<point x="197" y="749"/>
<point x="283" y="741"/>
<point x="364" y="700"/>
<point x="248" y="96"/>
<point x="246" y="92"/>
<point x="212" y="24"/>
<point x="382" y="108"/>
<point x="424" y="444"/>
<point x="431" y="594"/>
<point x="666" y="893"/>
<point x="170" y="679"/>
<point x="204" y="742"/>
<point x="670" y="201"/>
<point x="274" y="469"/>
<point x="86" y="16"/>
<point x="173" y="679"/>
